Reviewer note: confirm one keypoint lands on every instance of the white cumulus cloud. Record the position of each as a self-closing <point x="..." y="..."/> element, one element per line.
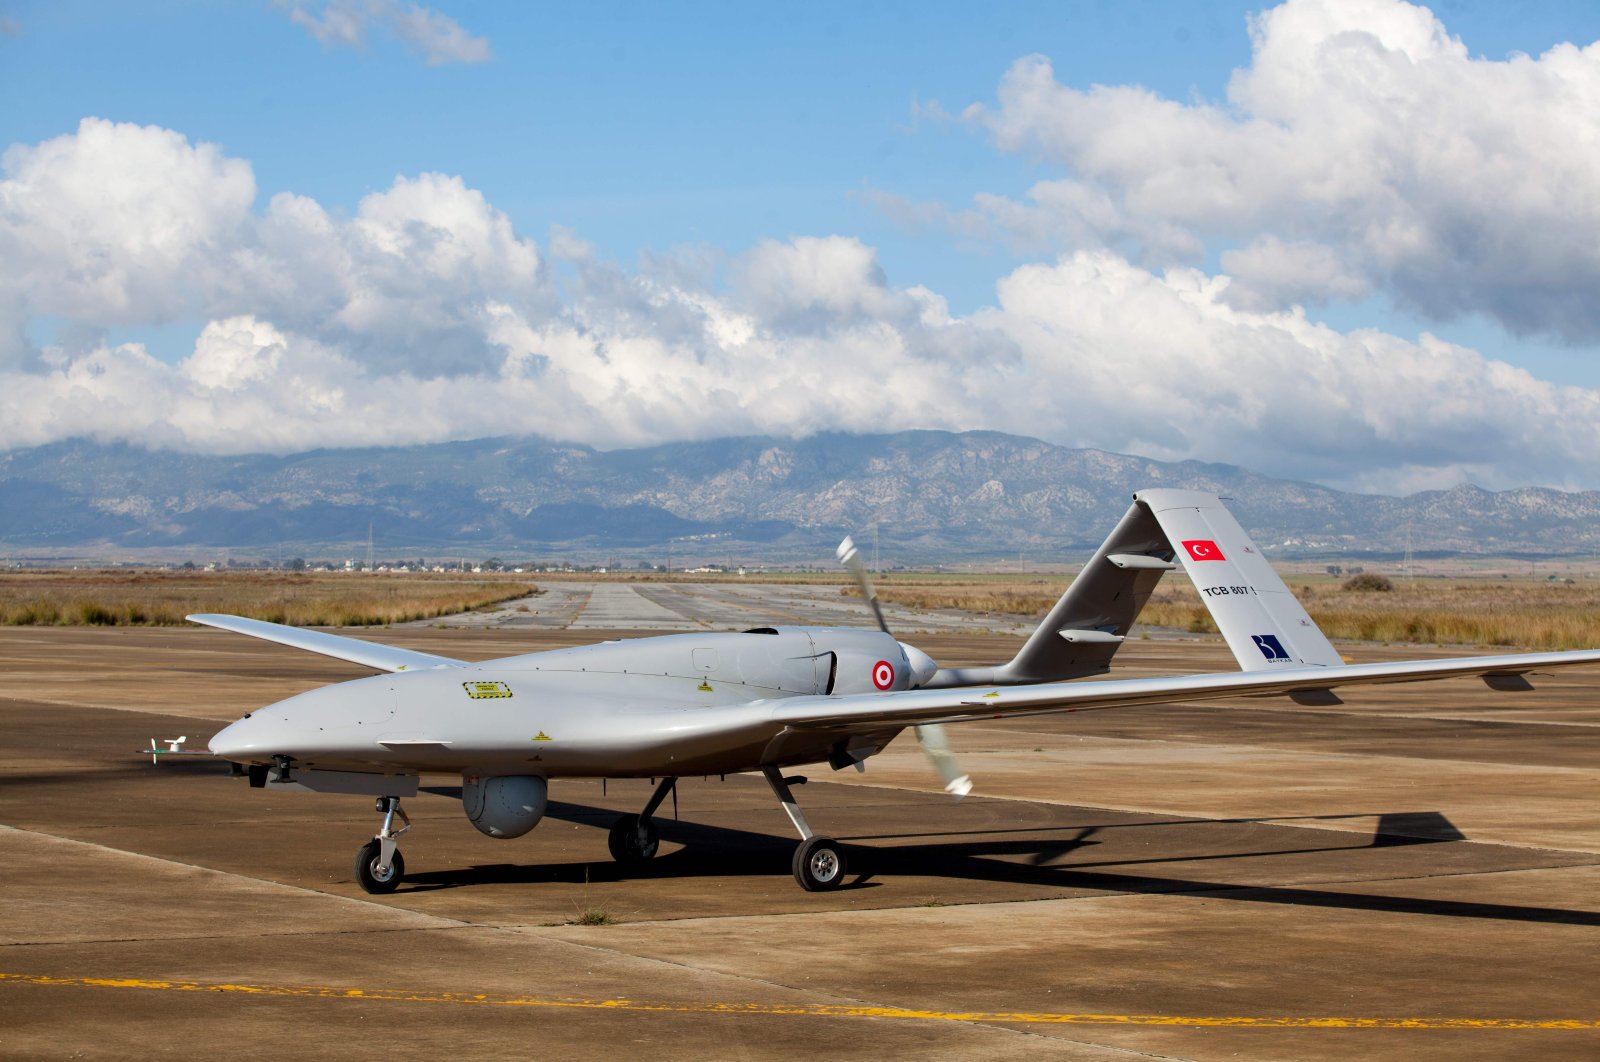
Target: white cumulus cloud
<point x="108" y="223"/>
<point x="1363" y="149"/>
<point x="423" y="316"/>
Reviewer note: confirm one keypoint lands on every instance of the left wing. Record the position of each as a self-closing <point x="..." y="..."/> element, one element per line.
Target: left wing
<point x="874" y="711"/>
<point x="356" y="650"/>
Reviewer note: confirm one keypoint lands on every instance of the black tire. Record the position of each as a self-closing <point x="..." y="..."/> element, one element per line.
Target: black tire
<point x="366" y="869"/>
<point x="627" y="846"/>
<point x="819" y="864"/>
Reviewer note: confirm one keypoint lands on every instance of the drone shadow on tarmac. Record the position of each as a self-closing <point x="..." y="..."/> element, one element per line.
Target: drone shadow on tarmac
<point x="1044" y="857"/>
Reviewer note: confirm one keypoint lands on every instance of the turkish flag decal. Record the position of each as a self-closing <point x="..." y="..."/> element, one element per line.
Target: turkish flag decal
<point x="1203" y="549"/>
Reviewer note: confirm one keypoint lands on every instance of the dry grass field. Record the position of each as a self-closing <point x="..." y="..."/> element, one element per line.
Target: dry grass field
<point x="1485" y="612"/>
<point x="1443" y="611"/>
<point x="312" y="599"/>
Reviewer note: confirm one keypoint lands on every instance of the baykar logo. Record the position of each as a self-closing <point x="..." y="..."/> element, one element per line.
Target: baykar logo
<point x="1202" y="549"/>
<point x="1270" y="647"/>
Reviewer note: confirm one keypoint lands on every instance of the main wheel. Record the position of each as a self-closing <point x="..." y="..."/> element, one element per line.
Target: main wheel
<point x="819" y="864"/>
<point x="633" y="840"/>
<point x="367" y="869"/>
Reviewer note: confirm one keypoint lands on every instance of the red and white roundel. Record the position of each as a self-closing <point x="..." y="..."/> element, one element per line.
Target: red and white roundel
<point x="883" y="674"/>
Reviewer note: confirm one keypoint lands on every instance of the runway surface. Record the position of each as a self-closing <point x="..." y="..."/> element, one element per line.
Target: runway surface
<point x="593" y="605"/>
<point x="1415" y="874"/>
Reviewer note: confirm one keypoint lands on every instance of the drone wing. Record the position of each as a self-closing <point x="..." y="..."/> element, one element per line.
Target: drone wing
<point x="356" y="650"/>
<point x="876" y="711"/>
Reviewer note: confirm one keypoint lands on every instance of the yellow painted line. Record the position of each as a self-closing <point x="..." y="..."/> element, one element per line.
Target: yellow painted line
<point x="809" y="1010"/>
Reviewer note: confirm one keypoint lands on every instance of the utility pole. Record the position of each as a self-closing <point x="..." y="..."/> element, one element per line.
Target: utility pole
<point x="369" y="545"/>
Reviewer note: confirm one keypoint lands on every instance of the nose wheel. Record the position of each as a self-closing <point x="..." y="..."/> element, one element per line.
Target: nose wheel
<point x="634" y="840"/>
<point x="373" y="874"/>
<point x="379" y="866"/>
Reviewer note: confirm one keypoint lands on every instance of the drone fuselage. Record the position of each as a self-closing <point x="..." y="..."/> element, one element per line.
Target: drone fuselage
<point x="669" y="705"/>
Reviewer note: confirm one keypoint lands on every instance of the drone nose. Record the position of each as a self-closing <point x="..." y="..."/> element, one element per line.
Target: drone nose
<point x="239" y="741"/>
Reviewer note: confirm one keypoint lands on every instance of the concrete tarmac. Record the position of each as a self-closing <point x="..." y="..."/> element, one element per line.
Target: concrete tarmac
<point x="1414" y="874"/>
<point x="726" y="605"/>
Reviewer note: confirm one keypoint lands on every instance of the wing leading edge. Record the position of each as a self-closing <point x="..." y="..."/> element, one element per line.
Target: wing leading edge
<point x="355" y="650"/>
<point x="914" y="707"/>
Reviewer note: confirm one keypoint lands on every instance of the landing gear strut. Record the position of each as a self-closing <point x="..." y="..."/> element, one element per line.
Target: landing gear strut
<point x="633" y="839"/>
<point x="819" y="861"/>
<point x="379" y="865"/>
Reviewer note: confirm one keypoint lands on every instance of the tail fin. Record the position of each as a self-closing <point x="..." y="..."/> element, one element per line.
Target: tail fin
<point x="1079" y="636"/>
<point x="1260" y="619"/>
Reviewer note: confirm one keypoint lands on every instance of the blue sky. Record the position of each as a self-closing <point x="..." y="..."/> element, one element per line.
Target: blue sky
<point x="641" y="126"/>
<point x="764" y="165"/>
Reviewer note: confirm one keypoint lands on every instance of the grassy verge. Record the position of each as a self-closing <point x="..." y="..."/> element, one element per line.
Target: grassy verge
<point x="307" y="599"/>
<point x="1486" y="612"/>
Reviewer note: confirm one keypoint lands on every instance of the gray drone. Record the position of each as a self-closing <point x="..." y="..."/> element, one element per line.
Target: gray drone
<point x="776" y="698"/>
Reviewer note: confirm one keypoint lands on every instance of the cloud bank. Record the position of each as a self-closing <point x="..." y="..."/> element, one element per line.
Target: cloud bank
<point x="423" y="315"/>
<point x="1363" y="150"/>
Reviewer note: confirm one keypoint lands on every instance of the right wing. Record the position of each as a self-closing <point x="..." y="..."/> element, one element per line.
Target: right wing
<point x="877" y="711"/>
<point x="355" y="650"/>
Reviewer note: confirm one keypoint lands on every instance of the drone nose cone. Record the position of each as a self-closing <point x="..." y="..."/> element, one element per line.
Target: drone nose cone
<point x="240" y="741"/>
<point x="921" y="664"/>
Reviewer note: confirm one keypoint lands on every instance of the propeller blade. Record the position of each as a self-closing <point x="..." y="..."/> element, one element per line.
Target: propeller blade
<point x="956" y="781"/>
<point x="850" y="557"/>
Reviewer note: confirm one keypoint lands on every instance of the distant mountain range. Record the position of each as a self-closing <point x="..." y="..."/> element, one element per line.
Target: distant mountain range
<point x="933" y="496"/>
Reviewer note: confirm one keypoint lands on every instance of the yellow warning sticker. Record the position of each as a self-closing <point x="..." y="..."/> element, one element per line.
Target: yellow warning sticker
<point x="480" y="690"/>
<point x="541" y="736"/>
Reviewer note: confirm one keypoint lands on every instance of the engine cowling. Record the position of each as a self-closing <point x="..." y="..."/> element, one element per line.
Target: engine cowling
<point x="505" y="806"/>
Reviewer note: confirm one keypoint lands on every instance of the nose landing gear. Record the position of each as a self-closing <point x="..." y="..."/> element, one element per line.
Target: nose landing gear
<point x="634" y="840"/>
<point x="379" y="865"/>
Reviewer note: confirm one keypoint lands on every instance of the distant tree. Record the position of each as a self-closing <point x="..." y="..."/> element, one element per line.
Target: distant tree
<point x="296" y="564"/>
<point x="1368" y="582"/>
<point x="188" y="566"/>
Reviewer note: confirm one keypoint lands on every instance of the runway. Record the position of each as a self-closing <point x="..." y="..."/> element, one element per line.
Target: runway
<point x="1415" y="874"/>
<point x="659" y="608"/>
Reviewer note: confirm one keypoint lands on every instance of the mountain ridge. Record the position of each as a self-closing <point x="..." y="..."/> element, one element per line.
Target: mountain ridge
<point x="932" y="494"/>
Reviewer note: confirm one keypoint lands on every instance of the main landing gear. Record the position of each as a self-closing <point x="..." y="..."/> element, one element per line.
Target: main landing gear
<point x="379" y="865"/>
<point x="818" y="862"/>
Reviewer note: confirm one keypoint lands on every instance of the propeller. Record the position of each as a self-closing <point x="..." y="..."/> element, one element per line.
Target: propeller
<point x="850" y="557"/>
<point x="930" y="736"/>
